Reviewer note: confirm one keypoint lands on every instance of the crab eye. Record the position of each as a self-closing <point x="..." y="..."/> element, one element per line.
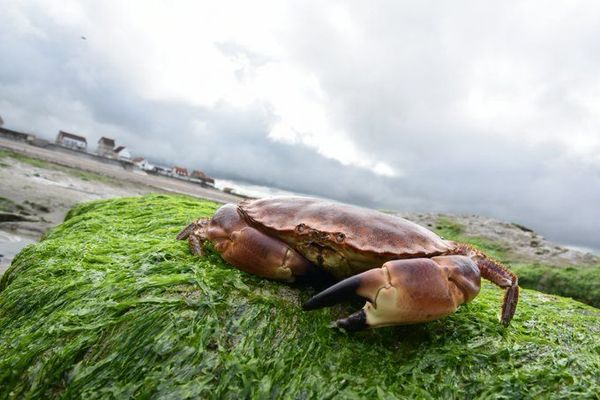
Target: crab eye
<point x="340" y="237"/>
<point x="300" y="227"/>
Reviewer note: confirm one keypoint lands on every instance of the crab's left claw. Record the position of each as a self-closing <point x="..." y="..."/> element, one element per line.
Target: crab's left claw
<point x="195" y="233"/>
<point x="404" y="291"/>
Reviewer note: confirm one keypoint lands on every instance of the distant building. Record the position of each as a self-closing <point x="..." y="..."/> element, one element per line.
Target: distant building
<point x="15" y="135"/>
<point x="163" y="170"/>
<point x="106" y="147"/>
<point x="197" y="174"/>
<point x="143" y="164"/>
<point x="122" y="153"/>
<point x="180" y="171"/>
<point x="71" y="141"/>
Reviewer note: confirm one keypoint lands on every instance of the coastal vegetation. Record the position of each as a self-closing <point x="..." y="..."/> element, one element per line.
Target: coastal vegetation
<point x="109" y="305"/>
<point x="580" y="282"/>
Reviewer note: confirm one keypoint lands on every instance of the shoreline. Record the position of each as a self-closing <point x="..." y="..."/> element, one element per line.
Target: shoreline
<point x="38" y="191"/>
<point x="40" y="186"/>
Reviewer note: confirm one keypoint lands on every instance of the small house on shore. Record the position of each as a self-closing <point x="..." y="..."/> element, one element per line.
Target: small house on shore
<point x="122" y="153"/>
<point x="143" y="164"/>
<point x="71" y="141"/>
<point x="180" y="171"/>
<point x="106" y="147"/>
<point x="163" y="170"/>
<point x="197" y="174"/>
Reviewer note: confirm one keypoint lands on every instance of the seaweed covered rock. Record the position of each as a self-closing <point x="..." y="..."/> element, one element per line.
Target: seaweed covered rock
<point x="110" y="305"/>
<point x="555" y="270"/>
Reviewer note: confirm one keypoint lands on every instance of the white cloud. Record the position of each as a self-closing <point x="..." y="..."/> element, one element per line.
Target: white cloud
<point x="169" y="53"/>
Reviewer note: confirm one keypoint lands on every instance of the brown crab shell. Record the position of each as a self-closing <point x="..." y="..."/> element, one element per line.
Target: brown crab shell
<point x="342" y="238"/>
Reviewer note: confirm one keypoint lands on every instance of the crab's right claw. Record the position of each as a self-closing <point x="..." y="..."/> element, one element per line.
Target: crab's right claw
<point x="365" y="285"/>
<point x="404" y="291"/>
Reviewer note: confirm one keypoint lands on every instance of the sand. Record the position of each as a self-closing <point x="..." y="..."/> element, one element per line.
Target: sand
<point x="42" y="193"/>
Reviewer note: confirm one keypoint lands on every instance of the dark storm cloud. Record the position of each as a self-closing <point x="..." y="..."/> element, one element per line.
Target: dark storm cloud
<point x="398" y="91"/>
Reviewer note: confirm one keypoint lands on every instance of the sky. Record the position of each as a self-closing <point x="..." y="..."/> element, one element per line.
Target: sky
<point x="488" y="108"/>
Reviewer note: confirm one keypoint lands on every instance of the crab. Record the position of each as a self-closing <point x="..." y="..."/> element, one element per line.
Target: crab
<point x="406" y="273"/>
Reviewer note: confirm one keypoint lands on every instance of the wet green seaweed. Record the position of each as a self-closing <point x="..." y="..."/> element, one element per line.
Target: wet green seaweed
<point x="109" y="305"/>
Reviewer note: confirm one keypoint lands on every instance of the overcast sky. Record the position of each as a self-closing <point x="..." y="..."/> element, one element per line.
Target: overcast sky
<point x="409" y="105"/>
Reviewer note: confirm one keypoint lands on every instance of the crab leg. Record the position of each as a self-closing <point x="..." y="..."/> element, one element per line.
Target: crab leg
<point x="404" y="291"/>
<point x="195" y="233"/>
<point x="498" y="274"/>
<point x="245" y="247"/>
<point x="505" y="279"/>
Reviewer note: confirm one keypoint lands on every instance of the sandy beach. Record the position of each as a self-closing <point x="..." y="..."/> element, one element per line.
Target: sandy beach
<point x="37" y="191"/>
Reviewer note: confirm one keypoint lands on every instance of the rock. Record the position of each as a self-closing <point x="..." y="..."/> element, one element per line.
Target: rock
<point x="520" y="244"/>
<point x="521" y="227"/>
<point x="11" y="217"/>
<point x="37" y="207"/>
<point x="109" y="304"/>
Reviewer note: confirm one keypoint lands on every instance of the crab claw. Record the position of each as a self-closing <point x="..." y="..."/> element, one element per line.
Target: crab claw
<point x="404" y="291"/>
<point x="365" y="285"/>
<point x="195" y="233"/>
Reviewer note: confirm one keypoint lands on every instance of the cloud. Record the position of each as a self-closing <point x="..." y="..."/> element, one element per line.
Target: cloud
<point x="412" y="106"/>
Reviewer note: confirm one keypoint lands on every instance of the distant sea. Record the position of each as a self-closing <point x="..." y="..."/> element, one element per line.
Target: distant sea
<point x="252" y="190"/>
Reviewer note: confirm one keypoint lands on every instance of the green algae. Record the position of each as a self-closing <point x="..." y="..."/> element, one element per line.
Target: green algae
<point x="109" y="305"/>
<point x="579" y="282"/>
<point x="24" y="159"/>
<point x="452" y="230"/>
<point x="35" y="162"/>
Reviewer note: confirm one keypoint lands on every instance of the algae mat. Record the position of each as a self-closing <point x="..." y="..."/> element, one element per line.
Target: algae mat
<point x="109" y="305"/>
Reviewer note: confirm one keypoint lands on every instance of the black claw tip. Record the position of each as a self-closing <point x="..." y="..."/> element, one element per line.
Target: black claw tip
<point x="341" y="291"/>
<point x="354" y="322"/>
